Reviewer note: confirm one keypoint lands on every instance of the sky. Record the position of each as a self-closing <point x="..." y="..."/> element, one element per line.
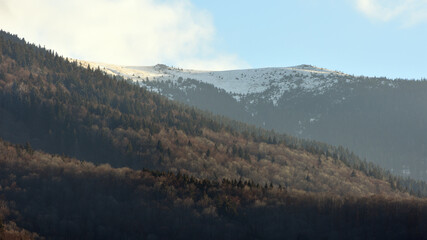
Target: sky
<point x="360" y="37"/>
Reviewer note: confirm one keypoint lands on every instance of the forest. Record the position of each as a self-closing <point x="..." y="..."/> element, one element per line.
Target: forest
<point x="63" y="198"/>
<point x="62" y="108"/>
<point x="89" y="156"/>
<point x="379" y="119"/>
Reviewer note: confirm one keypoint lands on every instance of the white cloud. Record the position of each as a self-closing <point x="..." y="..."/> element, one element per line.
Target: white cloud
<point x="127" y="32"/>
<point x="407" y="12"/>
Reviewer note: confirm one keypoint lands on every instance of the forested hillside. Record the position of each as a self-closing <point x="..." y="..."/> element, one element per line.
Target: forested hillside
<point x="63" y="198"/>
<point x="380" y="119"/>
<point x="152" y="168"/>
<point x="62" y="108"/>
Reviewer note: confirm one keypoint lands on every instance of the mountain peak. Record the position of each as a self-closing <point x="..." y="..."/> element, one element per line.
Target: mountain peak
<point x="161" y="66"/>
<point x="305" y="66"/>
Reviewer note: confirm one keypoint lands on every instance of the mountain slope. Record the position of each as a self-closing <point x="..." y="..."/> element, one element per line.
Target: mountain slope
<point x="61" y="108"/>
<point x="210" y="177"/>
<point x="63" y="198"/>
<point x="380" y="119"/>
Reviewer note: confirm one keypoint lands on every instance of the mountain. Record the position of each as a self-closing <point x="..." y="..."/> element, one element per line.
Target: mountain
<point x="61" y="108"/>
<point x="381" y="120"/>
<point x="273" y="82"/>
<point x="57" y="197"/>
<point x="89" y="156"/>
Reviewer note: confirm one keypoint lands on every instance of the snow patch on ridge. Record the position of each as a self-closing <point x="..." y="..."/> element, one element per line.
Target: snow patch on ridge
<point x="274" y="82"/>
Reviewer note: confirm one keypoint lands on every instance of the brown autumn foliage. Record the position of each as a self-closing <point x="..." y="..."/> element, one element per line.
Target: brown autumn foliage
<point x="60" y="197"/>
<point x="10" y="231"/>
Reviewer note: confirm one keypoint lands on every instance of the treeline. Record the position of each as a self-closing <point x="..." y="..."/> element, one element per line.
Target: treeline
<point x="63" y="198"/>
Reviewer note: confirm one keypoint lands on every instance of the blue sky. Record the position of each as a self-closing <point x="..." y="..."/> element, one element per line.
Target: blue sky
<point x="331" y="34"/>
<point x="361" y="37"/>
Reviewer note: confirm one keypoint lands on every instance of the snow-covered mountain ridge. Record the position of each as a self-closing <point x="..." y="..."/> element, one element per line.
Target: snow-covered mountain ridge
<point x="236" y="82"/>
